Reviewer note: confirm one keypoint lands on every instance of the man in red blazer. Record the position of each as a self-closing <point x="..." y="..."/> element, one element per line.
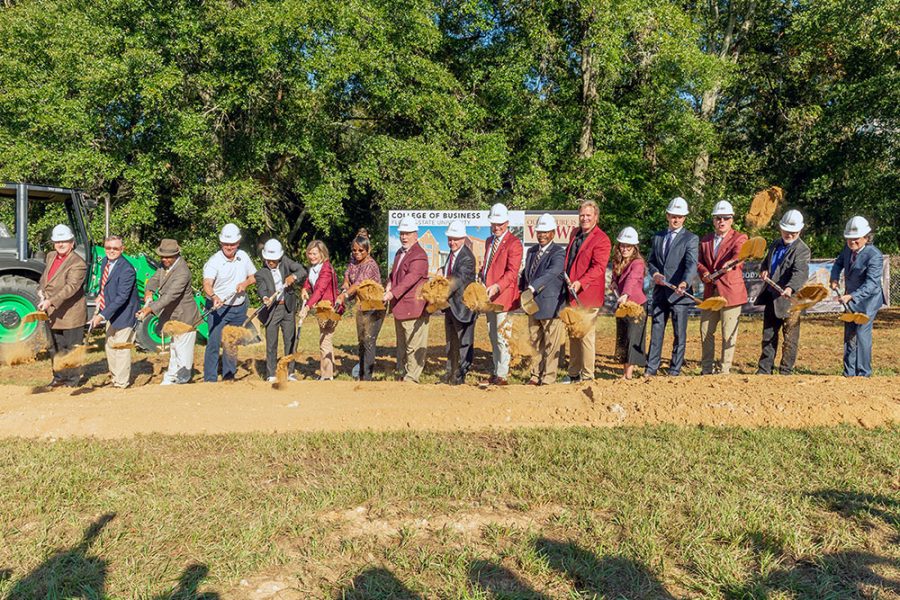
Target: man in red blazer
<point x="716" y="250"/>
<point x="586" y="258"/>
<point x="500" y="274"/>
<point x="408" y="273"/>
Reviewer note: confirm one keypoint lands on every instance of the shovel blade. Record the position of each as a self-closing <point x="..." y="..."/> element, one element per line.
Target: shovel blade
<point x="38" y="315"/>
<point x="714" y="304"/>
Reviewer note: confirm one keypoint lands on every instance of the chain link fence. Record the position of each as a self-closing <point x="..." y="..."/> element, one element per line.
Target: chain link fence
<point x="894" y="293"/>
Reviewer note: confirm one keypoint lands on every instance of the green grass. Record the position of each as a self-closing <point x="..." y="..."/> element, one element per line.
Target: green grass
<point x="620" y="513"/>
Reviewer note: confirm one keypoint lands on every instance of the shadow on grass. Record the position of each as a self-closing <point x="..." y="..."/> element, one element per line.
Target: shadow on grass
<point x="186" y="588"/>
<point x="861" y="505"/>
<point x="376" y="584"/>
<point x="499" y="582"/>
<point x="606" y="577"/>
<point x="68" y="573"/>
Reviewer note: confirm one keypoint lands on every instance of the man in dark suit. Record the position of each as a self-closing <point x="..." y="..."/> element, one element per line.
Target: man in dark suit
<point x="408" y="274"/>
<point x="545" y="264"/>
<point x="117" y="304"/>
<point x="275" y="285"/>
<point x="673" y="259"/>
<point x="787" y="264"/>
<point x="459" y="321"/>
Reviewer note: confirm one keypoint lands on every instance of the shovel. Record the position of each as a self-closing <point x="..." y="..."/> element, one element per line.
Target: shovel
<point x="574" y="295"/>
<point x="628" y="309"/>
<point x="37" y="315"/>
<point x="206" y="312"/>
<point x="526" y="299"/>
<point x="850" y="317"/>
<point x="716" y="303"/>
<point x="796" y="305"/>
<point x="753" y="248"/>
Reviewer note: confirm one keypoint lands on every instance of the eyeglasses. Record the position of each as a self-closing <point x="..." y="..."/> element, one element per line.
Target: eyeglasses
<point x="113" y="248"/>
<point x="357" y="250"/>
<point x="721" y="218"/>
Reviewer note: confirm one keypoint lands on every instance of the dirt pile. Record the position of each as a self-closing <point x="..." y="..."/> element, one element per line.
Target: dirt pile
<point x="19" y="353"/>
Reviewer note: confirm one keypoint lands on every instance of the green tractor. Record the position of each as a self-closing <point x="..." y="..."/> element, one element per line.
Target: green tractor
<point x="21" y="265"/>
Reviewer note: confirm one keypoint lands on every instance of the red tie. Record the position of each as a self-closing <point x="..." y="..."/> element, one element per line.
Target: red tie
<point x="490" y="258"/>
<point x="449" y="266"/>
<point x="101" y="302"/>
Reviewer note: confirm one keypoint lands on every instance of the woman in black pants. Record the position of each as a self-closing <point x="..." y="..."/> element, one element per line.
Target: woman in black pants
<point x="363" y="267"/>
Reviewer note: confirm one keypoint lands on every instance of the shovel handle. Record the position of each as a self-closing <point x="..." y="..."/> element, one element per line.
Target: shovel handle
<point x="774" y="285"/>
<point x="689" y="295"/>
<point x="725" y="268"/>
<point x="569" y="285"/>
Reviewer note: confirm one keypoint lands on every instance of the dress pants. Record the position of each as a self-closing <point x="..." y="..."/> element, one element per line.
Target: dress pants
<point x="217" y="320"/>
<point x="63" y="341"/>
<point x="545" y="336"/>
<point x="368" y="326"/>
<point x="858" y="349"/>
<point x="660" y="315"/>
<point x="119" y="360"/>
<point x="326" y="348"/>
<point x="583" y="351"/>
<point x="498" y="332"/>
<point x="279" y="320"/>
<point x="772" y="326"/>
<point x="709" y="320"/>
<point x="181" y="358"/>
<point x="412" y="347"/>
<point x="460" y="347"/>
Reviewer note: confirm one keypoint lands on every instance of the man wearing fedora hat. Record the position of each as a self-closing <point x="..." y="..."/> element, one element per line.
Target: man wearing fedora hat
<point x="171" y="284"/>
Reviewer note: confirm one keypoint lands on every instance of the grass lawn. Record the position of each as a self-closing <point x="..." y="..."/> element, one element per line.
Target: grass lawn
<point x="571" y="513"/>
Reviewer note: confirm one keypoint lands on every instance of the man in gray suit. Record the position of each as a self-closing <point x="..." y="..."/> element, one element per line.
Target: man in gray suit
<point x="459" y="321"/>
<point x="673" y="259"/>
<point x="175" y="302"/>
<point x="275" y="285"/>
<point x="787" y="264"/>
<point x="545" y="265"/>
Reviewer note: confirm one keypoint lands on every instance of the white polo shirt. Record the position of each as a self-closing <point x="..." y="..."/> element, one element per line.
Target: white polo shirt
<point x="227" y="274"/>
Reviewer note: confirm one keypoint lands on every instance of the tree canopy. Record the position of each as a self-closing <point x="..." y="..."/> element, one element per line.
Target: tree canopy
<point x="311" y="118"/>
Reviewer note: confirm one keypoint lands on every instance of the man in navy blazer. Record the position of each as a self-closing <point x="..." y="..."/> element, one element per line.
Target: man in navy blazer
<point x="459" y="321"/>
<point x="862" y="265"/>
<point x="545" y="264"/>
<point x="116" y="306"/>
<point x="673" y="259"/>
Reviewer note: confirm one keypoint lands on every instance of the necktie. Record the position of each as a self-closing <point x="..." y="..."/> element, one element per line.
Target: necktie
<point x="853" y="256"/>
<point x="400" y="254"/>
<point x="668" y="244"/>
<point x="490" y="257"/>
<point x="101" y="300"/>
<point x="449" y="270"/>
<point x="534" y="263"/>
<point x="716" y="244"/>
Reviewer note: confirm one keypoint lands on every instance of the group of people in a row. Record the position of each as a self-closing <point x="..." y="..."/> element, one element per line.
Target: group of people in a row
<point x="556" y="276"/>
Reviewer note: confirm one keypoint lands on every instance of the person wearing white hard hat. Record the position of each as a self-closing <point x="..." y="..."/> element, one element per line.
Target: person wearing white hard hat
<point x="408" y="274"/>
<point x="459" y="320"/>
<point x="174" y="301"/>
<point x="861" y="264"/>
<point x="787" y="264"/>
<point x="362" y="268"/>
<point x="545" y="264"/>
<point x="61" y="293"/>
<point x="587" y="256"/>
<point x="500" y="274"/>
<point x="275" y="286"/>
<point x="226" y="276"/>
<point x="628" y="268"/>
<point x="717" y="249"/>
<point x="673" y="260"/>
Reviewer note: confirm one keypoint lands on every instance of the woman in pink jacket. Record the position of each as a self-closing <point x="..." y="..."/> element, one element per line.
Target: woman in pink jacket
<point x="628" y="278"/>
<point x="321" y="284"/>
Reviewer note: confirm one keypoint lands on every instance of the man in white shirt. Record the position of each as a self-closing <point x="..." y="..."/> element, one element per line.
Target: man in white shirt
<point x="226" y="276"/>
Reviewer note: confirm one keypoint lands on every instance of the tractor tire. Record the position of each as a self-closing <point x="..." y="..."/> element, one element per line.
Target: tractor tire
<point x="18" y="297"/>
<point x="148" y="335"/>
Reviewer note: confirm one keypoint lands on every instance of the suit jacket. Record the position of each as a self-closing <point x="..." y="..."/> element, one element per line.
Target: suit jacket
<point x="862" y="280"/>
<point x="265" y="286"/>
<point x="406" y="280"/>
<point x="631" y="281"/>
<point x="120" y="295"/>
<point x="680" y="265"/>
<point x="792" y="272"/>
<point x="462" y="275"/>
<point x="504" y="270"/>
<point x="547" y="280"/>
<point x="65" y="291"/>
<point x="175" y="299"/>
<point x="731" y="284"/>
<point x="590" y="267"/>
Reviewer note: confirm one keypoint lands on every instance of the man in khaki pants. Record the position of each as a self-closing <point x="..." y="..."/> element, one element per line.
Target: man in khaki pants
<point x="543" y="276"/>
<point x="408" y="274"/>
<point x="717" y="250"/>
<point x="117" y="305"/>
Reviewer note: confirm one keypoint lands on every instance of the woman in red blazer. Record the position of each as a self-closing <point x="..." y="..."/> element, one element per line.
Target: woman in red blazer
<point x="628" y="268"/>
<point x="321" y="284"/>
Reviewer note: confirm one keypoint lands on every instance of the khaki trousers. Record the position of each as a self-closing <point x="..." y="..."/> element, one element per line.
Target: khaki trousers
<point x="119" y="361"/>
<point x="412" y="346"/>
<point x="326" y="349"/>
<point x="583" y="352"/>
<point x="545" y="337"/>
<point x="709" y="321"/>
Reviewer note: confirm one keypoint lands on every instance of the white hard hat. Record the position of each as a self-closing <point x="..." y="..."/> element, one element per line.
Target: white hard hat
<point x="723" y="208"/>
<point x="545" y="223"/>
<point x="628" y="236"/>
<point x="456" y="229"/>
<point x="230" y="234"/>
<point x="499" y="214"/>
<point x="408" y="225"/>
<point x="857" y="227"/>
<point x="678" y="206"/>
<point x="62" y="233"/>
<point x="272" y="250"/>
<point x="791" y="221"/>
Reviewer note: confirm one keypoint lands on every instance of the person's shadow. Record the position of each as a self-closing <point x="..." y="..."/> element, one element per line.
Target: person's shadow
<point x="68" y="573"/>
<point x="496" y="581"/>
<point x="186" y="588"/>
<point x="376" y="584"/>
